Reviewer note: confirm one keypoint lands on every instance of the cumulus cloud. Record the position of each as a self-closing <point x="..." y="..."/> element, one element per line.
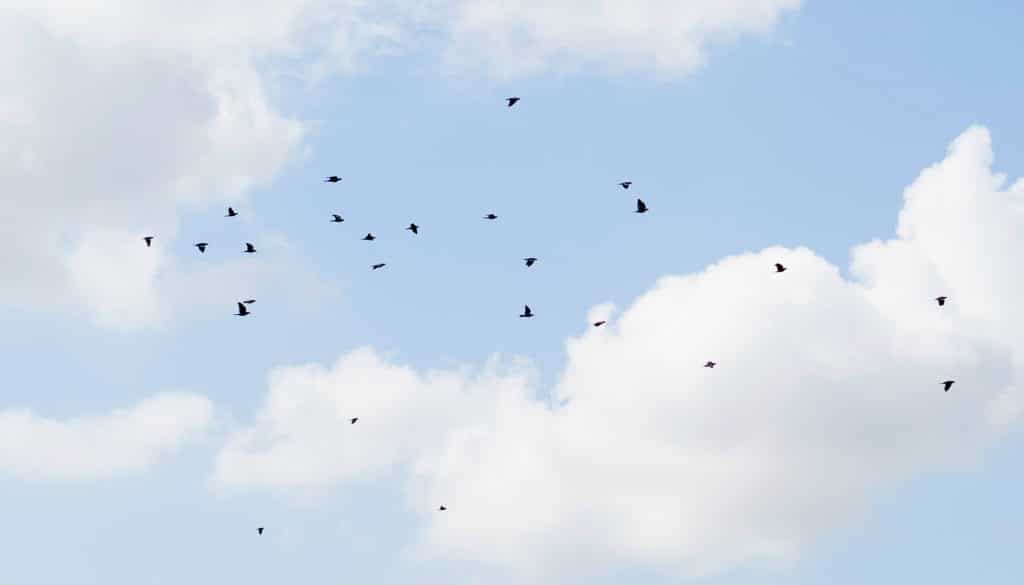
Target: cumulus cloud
<point x="35" y="448"/>
<point x="827" y="390"/>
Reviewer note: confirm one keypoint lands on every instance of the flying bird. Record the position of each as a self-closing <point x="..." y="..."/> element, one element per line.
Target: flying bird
<point x="249" y="248"/>
<point x="947" y="385"/>
<point x="242" y="310"/>
<point x="941" y="301"/>
<point x="527" y="313"/>
<point x="512" y="101"/>
<point x="710" y="364"/>
<point x="779" y="267"/>
<point x="599" y="323"/>
<point x="231" y="212"/>
<point x="337" y="218"/>
<point x="625" y="184"/>
<point x="641" y="207"/>
<point x="259" y="530"/>
<point x="530" y="261"/>
<point x="202" y="247"/>
<point x="353" y="421"/>
<point x="376" y="266"/>
<point x="369" y="237"/>
<point x="490" y="216"/>
<point x="441" y="509"/>
<point x="332" y="179"/>
<point x="249" y="301"/>
<point x="148" y="240"/>
<point x="413" y="228"/>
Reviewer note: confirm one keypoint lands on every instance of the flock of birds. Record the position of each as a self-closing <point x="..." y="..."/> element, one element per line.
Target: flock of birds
<point x="641" y="207"/>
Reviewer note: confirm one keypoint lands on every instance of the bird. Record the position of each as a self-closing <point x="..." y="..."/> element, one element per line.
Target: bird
<point x="599" y="323"/>
<point x="511" y="101"/>
<point x="376" y="266"/>
<point x="231" y="212"/>
<point x="259" y="530"/>
<point x="530" y="261"/>
<point x="441" y="509"/>
<point x="941" y="301"/>
<point x="242" y="310"/>
<point x="249" y="301"/>
<point x="641" y="207"/>
<point x="369" y="237"/>
<point x="202" y="247"/>
<point x="148" y="240"/>
<point x="490" y="216"/>
<point x="353" y="420"/>
<point x="413" y="228"/>
<point x="249" y="249"/>
<point x="332" y="179"/>
<point x="779" y="267"/>
<point x="527" y="313"/>
<point x="947" y="385"/>
<point x="625" y="184"/>
<point x="337" y="218"/>
<point x="710" y="364"/>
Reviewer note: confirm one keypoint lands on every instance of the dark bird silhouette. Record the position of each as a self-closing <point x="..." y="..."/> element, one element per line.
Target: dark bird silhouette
<point x="941" y="301"/>
<point x="625" y="184"/>
<point x="353" y="420"/>
<point x="332" y="179"/>
<point x="202" y="247"/>
<point x="337" y="218"/>
<point x="231" y="212"/>
<point x="512" y="101"/>
<point x="947" y="385"/>
<point x="490" y="216"/>
<point x="259" y="530"/>
<point x="242" y="310"/>
<point x="441" y="509"/>
<point x="530" y="261"/>
<point x="641" y="207"/>
<point x="779" y="267"/>
<point x="249" y="301"/>
<point x="413" y="228"/>
<point x="710" y="364"/>
<point x="369" y="237"/>
<point x="376" y="266"/>
<point x="599" y="323"/>
<point x="249" y="248"/>
<point x="148" y="240"/>
<point x="527" y="313"/>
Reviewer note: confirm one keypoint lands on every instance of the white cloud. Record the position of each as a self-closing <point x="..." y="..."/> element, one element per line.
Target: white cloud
<point x="125" y="441"/>
<point x="827" y="390"/>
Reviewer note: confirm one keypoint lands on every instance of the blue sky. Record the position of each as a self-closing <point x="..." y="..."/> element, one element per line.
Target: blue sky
<point x="802" y="136"/>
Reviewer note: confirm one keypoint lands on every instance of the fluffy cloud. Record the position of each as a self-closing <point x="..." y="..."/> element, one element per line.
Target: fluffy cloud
<point x="827" y="390"/>
<point x="35" y="448"/>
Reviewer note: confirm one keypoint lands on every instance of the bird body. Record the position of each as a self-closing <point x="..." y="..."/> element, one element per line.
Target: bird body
<point x="530" y="261"/>
<point x="779" y="267"/>
<point x="599" y="323"/>
<point x="259" y="530"/>
<point x="231" y="212"/>
<point x="202" y="247"/>
<point x="941" y="301"/>
<point x="441" y="509"/>
<point x="947" y="385"/>
<point x="490" y="216"/>
<point x="413" y="228"/>
<point x="249" y="248"/>
<point x="512" y="101"/>
<point x="641" y="207"/>
<point x="337" y="218"/>
<point x="332" y="179"/>
<point x="148" y="240"/>
<point x="710" y="364"/>
<point x="376" y="266"/>
<point x="353" y="420"/>
<point x="369" y="237"/>
<point x="527" y="312"/>
<point x="625" y="184"/>
<point x="242" y="310"/>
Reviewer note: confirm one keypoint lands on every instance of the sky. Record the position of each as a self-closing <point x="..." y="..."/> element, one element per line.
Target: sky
<point x="874" y="148"/>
